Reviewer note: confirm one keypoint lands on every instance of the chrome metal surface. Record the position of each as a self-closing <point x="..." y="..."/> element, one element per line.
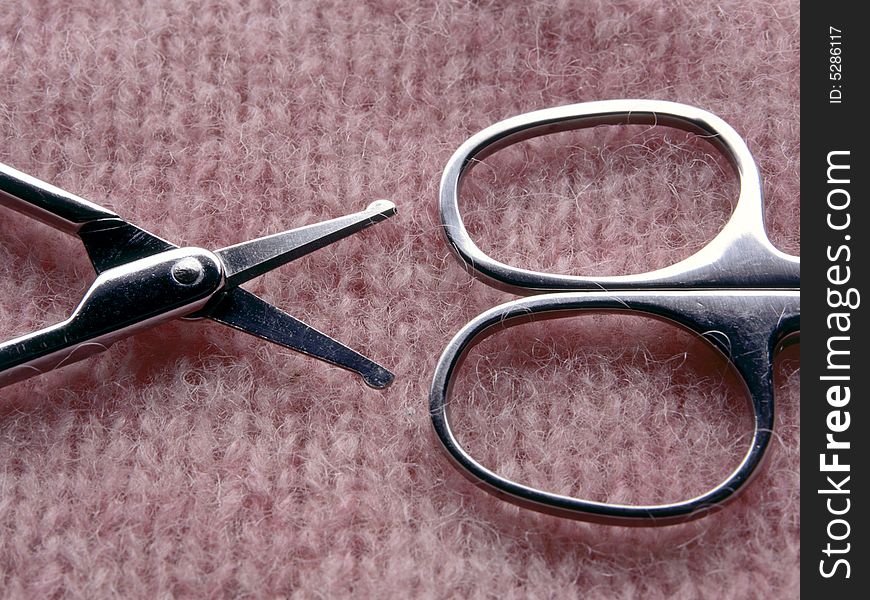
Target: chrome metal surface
<point x="49" y="204"/>
<point x="246" y="312"/>
<point x="251" y="259"/>
<point x="120" y="302"/>
<point x="143" y="280"/>
<point x="739" y="256"/>
<point x="739" y="293"/>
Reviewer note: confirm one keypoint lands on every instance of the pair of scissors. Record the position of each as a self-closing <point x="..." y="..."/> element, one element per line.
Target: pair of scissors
<point x="143" y="280"/>
<point x="739" y="293"/>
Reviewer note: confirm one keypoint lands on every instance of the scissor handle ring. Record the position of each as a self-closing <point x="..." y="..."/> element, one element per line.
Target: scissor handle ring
<point x="749" y="326"/>
<point x="721" y="263"/>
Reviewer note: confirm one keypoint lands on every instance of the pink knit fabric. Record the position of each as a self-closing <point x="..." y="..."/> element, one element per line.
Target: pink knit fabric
<point x="195" y="461"/>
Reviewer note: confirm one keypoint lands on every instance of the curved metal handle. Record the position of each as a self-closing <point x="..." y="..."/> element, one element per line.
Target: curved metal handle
<point x="739" y="256"/>
<point x="748" y="326"/>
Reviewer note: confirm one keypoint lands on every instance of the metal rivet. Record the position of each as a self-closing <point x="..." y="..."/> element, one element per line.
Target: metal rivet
<point x="188" y="271"/>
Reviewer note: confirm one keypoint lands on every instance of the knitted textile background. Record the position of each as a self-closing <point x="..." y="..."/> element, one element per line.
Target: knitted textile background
<point x="193" y="460"/>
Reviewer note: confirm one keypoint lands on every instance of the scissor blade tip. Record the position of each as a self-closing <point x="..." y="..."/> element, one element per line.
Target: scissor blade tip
<point x="384" y="207"/>
<point x="378" y="378"/>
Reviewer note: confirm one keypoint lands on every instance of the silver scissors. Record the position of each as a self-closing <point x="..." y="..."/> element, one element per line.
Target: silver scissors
<point x="739" y="293"/>
<point x="143" y="280"/>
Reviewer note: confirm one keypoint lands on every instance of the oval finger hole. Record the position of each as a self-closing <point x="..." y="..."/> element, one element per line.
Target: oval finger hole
<point x="608" y="408"/>
<point x="612" y="200"/>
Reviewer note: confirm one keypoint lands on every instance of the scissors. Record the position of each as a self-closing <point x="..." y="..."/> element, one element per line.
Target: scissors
<point x="143" y="280"/>
<point x="738" y="293"/>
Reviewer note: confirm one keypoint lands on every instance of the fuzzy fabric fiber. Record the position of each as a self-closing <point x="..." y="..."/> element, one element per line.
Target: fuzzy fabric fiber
<point x="192" y="460"/>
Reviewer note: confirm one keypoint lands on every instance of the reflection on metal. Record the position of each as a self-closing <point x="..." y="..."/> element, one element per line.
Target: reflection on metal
<point x="738" y="292"/>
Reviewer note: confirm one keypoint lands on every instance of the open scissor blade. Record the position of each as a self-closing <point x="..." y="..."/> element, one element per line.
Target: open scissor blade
<point x="114" y="242"/>
<point x="247" y="260"/>
<point x="143" y="280"/>
<point x="246" y="312"/>
<point x="109" y="240"/>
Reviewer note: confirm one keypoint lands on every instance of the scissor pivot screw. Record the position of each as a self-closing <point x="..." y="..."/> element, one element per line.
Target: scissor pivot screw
<point x="188" y="271"/>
